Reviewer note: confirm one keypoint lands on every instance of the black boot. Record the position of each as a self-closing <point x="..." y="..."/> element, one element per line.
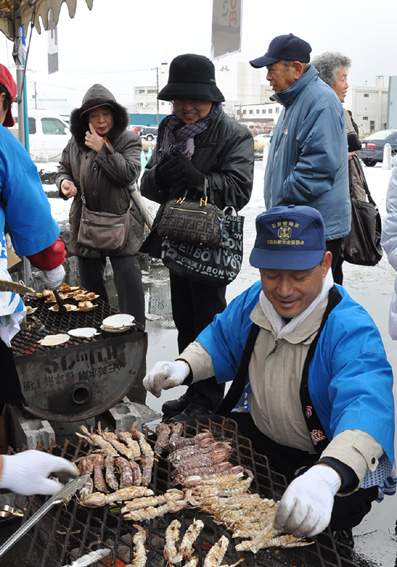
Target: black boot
<point x="174" y="407"/>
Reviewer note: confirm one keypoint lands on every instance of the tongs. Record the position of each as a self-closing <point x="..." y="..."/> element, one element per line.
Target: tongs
<point x="68" y="490"/>
<point x="62" y="308"/>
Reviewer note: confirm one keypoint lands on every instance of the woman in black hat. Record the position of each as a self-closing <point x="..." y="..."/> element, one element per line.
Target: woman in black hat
<point x="198" y="143"/>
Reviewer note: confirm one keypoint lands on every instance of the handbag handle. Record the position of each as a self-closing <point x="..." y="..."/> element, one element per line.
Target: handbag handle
<point x="82" y="167"/>
<point x="363" y="180"/>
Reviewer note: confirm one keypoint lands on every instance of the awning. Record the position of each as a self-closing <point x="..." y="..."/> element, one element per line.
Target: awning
<point x="23" y="12"/>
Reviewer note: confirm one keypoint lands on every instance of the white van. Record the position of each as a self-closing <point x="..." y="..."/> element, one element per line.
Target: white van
<point x="48" y="135"/>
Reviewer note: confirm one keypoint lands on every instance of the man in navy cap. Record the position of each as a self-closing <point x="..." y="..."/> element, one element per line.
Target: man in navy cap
<point x="307" y="163"/>
<point x="312" y="385"/>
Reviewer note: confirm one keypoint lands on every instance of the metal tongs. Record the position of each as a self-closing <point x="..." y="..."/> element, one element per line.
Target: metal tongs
<point x="68" y="490"/>
<point x="62" y="308"/>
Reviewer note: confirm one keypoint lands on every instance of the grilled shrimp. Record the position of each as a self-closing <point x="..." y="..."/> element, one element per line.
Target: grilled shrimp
<point x="171" y="554"/>
<point x="99" y="480"/>
<point x="112" y="438"/>
<point x="126" y="478"/>
<point x="125" y="437"/>
<point x="143" y="444"/>
<point x="216" y="553"/>
<point x="136" y="473"/>
<point x="110" y="475"/>
<point x="139" y="554"/>
<point x="177" y="430"/>
<point x="96" y="440"/>
<point x="147" y="462"/>
<point x="99" y="499"/>
<point x="191" y="534"/>
<point x="163" y="434"/>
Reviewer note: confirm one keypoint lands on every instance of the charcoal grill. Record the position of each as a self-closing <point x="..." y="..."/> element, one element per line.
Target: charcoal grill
<point x="83" y="377"/>
<point x="71" y="531"/>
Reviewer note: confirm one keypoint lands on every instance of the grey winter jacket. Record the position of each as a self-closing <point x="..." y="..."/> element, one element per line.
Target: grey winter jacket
<point x="106" y="176"/>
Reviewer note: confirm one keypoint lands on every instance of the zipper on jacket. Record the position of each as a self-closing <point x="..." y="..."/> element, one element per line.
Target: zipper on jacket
<point x="276" y="345"/>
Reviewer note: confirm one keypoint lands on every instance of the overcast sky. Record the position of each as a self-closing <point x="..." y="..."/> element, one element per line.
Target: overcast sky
<point x="119" y="43"/>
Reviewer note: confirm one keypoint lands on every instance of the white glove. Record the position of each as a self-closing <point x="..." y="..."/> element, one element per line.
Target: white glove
<point x="27" y="472"/>
<point x="306" y="507"/>
<point x="53" y="278"/>
<point x="165" y="375"/>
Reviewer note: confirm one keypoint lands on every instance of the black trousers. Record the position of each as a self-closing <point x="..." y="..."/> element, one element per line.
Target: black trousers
<point x="335" y="246"/>
<point x="194" y="306"/>
<point x="348" y="510"/>
<point x="127" y="279"/>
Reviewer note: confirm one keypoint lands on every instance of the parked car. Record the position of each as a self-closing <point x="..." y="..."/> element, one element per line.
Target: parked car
<point x="259" y="141"/>
<point x="48" y="135"/>
<point x="149" y="133"/>
<point x="373" y="145"/>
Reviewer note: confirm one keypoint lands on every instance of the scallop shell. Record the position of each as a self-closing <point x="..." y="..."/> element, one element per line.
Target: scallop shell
<point x="83" y="332"/>
<point x="118" y="321"/>
<point x="54" y="340"/>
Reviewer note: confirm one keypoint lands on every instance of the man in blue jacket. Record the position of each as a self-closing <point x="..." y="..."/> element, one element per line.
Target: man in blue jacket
<point x="307" y="163"/>
<point x="310" y="372"/>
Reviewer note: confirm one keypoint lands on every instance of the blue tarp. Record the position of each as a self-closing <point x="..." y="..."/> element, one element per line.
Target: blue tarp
<point x="145" y="119"/>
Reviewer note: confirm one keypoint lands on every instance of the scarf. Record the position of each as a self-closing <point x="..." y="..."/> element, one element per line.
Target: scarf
<point x="175" y="136"/>
<point x="280" y="327"/>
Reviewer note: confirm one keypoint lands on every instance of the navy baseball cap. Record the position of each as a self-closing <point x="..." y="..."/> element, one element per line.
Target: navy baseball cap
<point x="288" y="238"/>
<point x="284" y="47"/>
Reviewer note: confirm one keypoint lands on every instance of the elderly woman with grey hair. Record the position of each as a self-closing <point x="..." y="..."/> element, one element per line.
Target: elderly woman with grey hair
<point x="332" y="68"/>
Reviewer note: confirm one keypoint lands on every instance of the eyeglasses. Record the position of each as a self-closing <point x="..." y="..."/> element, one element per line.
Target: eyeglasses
<point x="194" y="103"/>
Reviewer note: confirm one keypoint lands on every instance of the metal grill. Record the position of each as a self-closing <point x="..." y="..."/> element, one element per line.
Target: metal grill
<point x="83" y="377"/>
<point x="70" y="531"/>
<point x="51" y="322"/>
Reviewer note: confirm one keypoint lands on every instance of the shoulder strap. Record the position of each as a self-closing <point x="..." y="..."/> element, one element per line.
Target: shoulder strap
<point x="316" y="430"/>
<point x="237" y="388"/>
<point x="82" y="166"/>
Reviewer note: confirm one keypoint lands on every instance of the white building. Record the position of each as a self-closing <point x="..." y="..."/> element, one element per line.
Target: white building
<point x="248" y="100"/>
<point x="368" y="106"/>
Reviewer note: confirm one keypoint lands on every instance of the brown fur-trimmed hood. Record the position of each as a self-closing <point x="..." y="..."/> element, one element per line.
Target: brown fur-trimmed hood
<point x="98" y="95"/>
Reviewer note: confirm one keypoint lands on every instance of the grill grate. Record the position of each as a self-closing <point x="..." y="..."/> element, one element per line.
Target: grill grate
<point x="26" y="341"/>
<point x="70" y="531"/>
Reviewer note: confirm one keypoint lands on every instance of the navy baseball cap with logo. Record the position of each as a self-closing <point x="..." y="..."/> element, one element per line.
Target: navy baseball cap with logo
<point x="288" y="238"/>
<point x="284" y="48"/>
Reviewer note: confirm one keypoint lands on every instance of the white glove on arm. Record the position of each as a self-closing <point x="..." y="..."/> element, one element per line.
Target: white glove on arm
<point x="27" y="472"/>
<point x="165" y="375"/>
<point x="306" y="507"/>
<point x="53" y="278"/>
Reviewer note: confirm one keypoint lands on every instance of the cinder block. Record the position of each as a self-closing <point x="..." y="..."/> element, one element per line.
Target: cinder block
<point x="29" y="431"/>
<point x="126" y="413"/>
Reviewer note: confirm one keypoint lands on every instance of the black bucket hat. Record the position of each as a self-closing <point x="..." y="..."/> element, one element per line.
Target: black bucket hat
<point x="191" y="77"/>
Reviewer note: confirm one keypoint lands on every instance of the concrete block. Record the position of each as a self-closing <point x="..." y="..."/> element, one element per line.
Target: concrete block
<point x="26" y="430"/>
<point x="126" y="413"/>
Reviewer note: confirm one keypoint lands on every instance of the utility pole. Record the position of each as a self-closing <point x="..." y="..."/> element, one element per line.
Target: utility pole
<point x="157" y="92"/>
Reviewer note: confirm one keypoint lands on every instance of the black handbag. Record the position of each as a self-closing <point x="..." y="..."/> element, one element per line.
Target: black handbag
<point x="210" y="266"/>
<point x="362" y="245"/>
<point x="192" y="222"/>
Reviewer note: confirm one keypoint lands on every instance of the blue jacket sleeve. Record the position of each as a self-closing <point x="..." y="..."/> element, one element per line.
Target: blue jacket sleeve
<point x="27" y="209"/>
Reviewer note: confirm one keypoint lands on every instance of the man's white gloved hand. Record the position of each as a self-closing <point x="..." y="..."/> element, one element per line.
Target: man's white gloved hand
<point x="53" y="278"/>
<point x="165" y="375"/>
<point x="27" y="472"/>
<point x="306" y="507"/>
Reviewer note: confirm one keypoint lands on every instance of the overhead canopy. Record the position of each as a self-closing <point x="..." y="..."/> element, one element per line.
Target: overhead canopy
<point x="23" y="12"/>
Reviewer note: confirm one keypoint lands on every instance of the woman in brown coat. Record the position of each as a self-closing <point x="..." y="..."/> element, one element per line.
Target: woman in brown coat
<point x="112" y="164"/>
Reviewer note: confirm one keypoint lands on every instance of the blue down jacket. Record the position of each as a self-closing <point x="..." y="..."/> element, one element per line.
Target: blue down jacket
<point x="307" y="163"/>
<point x="350" y="379"/>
